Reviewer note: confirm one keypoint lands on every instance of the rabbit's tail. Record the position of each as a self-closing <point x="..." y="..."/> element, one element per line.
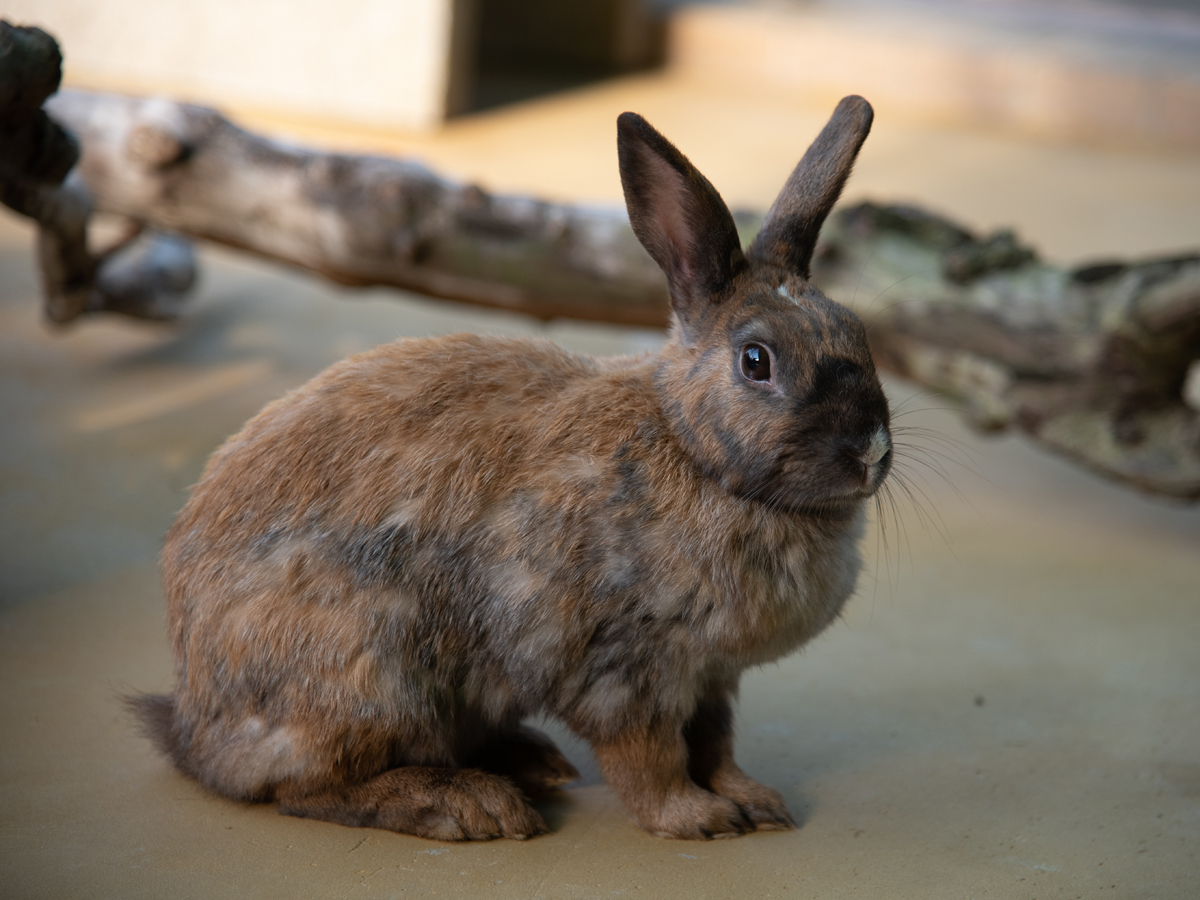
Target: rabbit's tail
<point x="156" y="713"/>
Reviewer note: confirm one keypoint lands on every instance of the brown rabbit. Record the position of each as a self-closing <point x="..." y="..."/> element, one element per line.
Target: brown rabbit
<point x="388" y="569"/>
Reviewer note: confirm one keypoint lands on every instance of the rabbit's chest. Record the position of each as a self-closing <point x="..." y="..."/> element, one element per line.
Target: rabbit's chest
<point x="779" y="596"/>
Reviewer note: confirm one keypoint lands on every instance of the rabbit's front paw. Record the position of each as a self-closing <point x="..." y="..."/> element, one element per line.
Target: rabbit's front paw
<point x="762" y="806"/>
<point x="695" y="815"/>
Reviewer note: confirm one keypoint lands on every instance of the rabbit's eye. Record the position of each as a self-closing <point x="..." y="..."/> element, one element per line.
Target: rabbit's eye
<point x="756" y="362"/>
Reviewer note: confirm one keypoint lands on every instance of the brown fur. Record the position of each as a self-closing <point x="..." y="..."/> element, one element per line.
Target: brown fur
<point x="385" y="571"/>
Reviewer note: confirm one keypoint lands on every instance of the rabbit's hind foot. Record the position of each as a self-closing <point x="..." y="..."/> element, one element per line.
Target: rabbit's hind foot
<point x="441" y="804"/>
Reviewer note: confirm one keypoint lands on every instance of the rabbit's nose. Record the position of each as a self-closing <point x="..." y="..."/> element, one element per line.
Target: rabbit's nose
<point x="878" y="448"/>
<point x="871" y="458"/>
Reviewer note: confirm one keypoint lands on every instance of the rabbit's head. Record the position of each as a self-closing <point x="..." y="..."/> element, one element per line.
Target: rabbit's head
<point x="768" y="384"/>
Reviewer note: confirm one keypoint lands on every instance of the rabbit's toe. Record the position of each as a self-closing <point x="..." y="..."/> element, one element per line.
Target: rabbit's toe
<point x="486" y="806"/>
<point x="762" y="806"/>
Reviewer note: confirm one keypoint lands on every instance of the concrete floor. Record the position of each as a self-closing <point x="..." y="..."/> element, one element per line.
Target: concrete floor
<point x="1011" y="707"/>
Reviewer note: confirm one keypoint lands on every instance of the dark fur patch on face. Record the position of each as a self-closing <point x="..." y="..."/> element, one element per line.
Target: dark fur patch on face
<point x="832" y="379"/>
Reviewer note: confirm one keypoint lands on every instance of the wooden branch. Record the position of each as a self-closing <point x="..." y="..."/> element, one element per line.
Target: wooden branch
<point x="358" y="220"/>
<point x="1092" y="362"/>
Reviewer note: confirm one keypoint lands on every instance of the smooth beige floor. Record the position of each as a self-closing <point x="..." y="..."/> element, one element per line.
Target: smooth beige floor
<point x="1010" y="708"/>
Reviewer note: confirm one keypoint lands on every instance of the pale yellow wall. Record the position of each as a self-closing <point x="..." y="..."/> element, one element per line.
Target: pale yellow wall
<point x="1132" y="86"/>
<point x="378" y="63"/>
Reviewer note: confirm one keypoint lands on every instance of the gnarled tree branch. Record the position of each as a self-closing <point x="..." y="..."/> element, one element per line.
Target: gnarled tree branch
<point x="358" y="220"/>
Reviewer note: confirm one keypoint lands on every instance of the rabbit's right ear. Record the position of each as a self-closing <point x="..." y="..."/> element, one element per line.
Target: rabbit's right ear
<point x="678" y="216"/>
<point x="789" y="233"/>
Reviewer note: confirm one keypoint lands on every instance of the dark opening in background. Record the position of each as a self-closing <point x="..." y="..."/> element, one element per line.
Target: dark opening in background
<point x="529" y="48"/>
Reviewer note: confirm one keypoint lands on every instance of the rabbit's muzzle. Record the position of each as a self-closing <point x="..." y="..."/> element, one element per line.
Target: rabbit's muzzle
<point x="838" y="452"/>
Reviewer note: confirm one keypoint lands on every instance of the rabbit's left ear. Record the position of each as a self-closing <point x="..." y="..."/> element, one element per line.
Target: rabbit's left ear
<point x="678" y="216"/>
<point x="789" y="233"/>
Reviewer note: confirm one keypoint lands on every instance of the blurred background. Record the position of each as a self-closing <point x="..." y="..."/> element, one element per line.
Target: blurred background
<point x="987" y="98"/>
<point x="1011" y="705"/>
<point x="1124" y="71"/>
